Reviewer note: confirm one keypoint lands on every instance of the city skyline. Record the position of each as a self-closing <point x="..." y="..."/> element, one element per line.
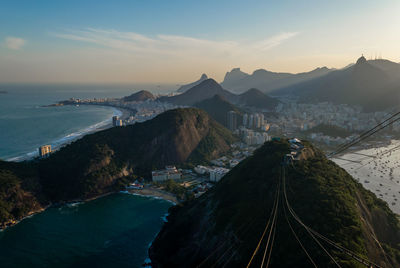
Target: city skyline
<point x="175" y="42"/>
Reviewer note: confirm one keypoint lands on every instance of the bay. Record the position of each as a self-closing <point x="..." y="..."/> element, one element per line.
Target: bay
<point x="112" y="231"/>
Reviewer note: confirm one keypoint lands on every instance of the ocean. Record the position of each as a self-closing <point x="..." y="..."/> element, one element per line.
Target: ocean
<point x="25" y="124"/>
<point x="377" y="170"/>
<point x="112" y="231"/>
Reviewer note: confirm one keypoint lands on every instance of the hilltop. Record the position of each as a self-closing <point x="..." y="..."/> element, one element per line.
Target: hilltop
<point x="371" y="84"/>
<point x="105" y="161"/>
<point x="224" y="225"/>
<point x="218" y="107"/>
<point x="142" y="95"/>
<point x="209" y="88"/>
<point x="205" y="90"/>
<point x="255" y="98"/>
<point x="184" y="88"/>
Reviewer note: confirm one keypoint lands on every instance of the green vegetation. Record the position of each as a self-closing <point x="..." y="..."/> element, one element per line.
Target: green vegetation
<point x="236" y="210"/>
<point x="19" y="191"/>
<point x="329" y="130"/>
<point x="255" y="98"/>
<point x="171" y="186"/>
<point x="218" y="107"/>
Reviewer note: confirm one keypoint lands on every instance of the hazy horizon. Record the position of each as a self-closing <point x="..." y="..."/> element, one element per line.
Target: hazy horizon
<point x="174" y="42"/>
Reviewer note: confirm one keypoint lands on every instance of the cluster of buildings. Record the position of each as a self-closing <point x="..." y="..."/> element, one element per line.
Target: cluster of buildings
<point x="116" y="122"/>
<point x="254" y="121"/>
<point x="251" y="137"/>
<point x="145" y="110"/>
<point x="252" y="128"/>
<point x="170" y="172"/>
<point x="293" y="116"/>
<point x="44" y="151"/>
<point x="215" y="173"/>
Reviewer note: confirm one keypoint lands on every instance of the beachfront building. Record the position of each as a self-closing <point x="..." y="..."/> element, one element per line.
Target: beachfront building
<point x="170" y="172"/>
<point x="114" y="120"/>
<point x="217" y="173"/>
<point x="117" y="122"/>
<point x="44" y="151"/>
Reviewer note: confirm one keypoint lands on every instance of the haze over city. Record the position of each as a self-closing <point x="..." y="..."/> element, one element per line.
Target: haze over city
<point x="176" y="41"/>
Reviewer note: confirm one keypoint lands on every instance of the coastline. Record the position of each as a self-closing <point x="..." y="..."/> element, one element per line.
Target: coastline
<point x="149" y="192"/>
<point x="376" y="169"/>
<point x="71" y="137"/>
<point x="12" y="223"/>
<point x="154" y="193"/>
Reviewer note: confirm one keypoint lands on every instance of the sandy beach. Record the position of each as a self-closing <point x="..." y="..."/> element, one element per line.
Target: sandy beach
<point x="378" y="170"/>
<point x="155" y="192"/>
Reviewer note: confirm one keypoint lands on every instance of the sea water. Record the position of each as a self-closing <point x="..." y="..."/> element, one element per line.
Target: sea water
<point x="25" y="124"/>
<point x="378" y="170"/>
<point x="112" y="231"/>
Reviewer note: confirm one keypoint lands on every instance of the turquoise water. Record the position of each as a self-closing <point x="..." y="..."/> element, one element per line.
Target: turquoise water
<point x="113" y="231"/>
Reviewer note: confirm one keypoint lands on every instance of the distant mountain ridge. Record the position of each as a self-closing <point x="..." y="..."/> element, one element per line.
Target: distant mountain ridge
<point x="184" y="88"/>
<point x="266" y="81"/>
<point x="373" y="84"/>
<point x="209" y="88"/>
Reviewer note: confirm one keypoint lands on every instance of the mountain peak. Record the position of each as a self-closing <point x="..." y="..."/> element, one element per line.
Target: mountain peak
<point x="361" y="60"/>
<point x="255" y="98"/>
<point x="233" y="76"/>
<point x="209" y="81"/>
<point x="184" y="88"/>
<point x="204" y="90"/>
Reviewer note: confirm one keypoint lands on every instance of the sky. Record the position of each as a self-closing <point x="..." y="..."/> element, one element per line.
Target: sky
<point x="158" y="41"/>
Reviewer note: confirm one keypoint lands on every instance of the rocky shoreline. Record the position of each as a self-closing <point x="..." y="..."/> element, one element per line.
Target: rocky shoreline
<point x="146" y="192"/>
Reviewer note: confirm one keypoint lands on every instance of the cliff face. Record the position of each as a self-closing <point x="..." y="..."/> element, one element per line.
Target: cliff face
<point x="20" y="192"/>
<point x="224" y="225"/>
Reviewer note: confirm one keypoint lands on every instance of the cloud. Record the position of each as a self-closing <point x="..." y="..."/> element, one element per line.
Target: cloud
<point x="275" y="40"/>
<point x="173" y="45"/>
<point x="14" y="43"/>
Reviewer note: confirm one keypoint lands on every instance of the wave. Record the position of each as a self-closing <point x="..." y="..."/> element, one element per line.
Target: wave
<point x="56" y="144"/>
<point x="149" y="196"/>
